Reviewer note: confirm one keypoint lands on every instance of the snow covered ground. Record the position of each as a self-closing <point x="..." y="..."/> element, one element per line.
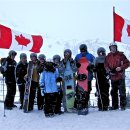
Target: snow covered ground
<point x="111" y="120"/>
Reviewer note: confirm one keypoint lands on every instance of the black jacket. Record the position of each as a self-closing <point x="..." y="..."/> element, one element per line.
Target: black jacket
<point x="21" y="71"/>
<point x="9" y="66"/>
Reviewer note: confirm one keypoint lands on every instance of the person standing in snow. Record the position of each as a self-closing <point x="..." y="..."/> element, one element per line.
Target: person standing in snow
<point x="8" y="70"/>
<point x="115" y="64"/>
<point x="102" y="80"/>
<point x="21" y="71"/>
<point x="34" y="82"/>
<point x="40" y="69"/>
<point x="84" y="53"/>
<point x="68" y="66"/>
<point x="49" y="88"/>
<point x="57" y="60"/>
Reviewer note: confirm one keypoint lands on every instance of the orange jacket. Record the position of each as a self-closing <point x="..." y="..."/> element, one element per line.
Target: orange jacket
<point x="114" y="60"/>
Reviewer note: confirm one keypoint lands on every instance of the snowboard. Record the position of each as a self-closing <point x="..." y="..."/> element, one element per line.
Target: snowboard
<point x="82" y="85"/>
<point x="27" y="86"/>
<point x="68" y="89"/>
<point x="128" y="100"/>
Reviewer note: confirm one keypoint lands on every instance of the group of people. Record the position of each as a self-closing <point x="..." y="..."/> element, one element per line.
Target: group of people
<point x="48" y="73"/>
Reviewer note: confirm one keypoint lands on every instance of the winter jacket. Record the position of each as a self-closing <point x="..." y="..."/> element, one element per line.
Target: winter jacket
<point x="35" y="74"/>
<point x="21" y="71"/>
<point x="40" y="67"/>
<point x="9" y="67"/>
<point x="99" y="68"/>
<point x="90" y="58"/>
<point x="114" y="60"/>
<point x="48" y="80"/>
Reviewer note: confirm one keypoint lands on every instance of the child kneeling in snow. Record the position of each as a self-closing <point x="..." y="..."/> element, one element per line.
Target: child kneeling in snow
<point x="49" y="88"/>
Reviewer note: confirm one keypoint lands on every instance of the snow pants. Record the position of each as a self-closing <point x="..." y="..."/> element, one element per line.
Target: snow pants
<point x="103" y="94"/>
<point x="51" y="103"/>
<point x="11" y="91"/>
<point x="21" y="92"/>
<point x="118" y="85"/>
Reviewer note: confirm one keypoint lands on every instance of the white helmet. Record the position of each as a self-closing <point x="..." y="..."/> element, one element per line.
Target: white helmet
<point x="112" y="44"/>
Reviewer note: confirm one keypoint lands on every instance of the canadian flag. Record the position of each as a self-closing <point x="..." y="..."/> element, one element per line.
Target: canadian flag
<point x="14" y="40"/>
<point x="121" y="29"/>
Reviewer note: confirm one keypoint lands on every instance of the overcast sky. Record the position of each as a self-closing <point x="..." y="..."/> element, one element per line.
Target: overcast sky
<point x="64" y="19"/>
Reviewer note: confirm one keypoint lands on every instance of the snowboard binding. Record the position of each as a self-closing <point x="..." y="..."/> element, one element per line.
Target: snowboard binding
<point x="81" y="77"/>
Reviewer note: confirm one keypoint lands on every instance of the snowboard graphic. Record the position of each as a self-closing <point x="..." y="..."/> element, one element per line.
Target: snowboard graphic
<point x="82" y="86"/>
<point x="82" y="78"/>
<point x="68" y="89"/>
<point x="27" y="87"/>
<point x="128" y="100"/>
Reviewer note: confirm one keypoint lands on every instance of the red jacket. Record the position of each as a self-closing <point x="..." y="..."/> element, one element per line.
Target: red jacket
<point x="114" y="60"/>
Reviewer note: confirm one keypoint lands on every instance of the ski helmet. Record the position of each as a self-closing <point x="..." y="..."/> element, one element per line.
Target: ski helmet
<point x="56" y="57"/>
<point x="33" y="55"/>
<point x="12" y="53"/>
<point x="101" y="50"/>
<point x="67" y="51"/>
<point x="112" y="44"/>
<point x="23" y="55"/>
<point x="42" y="56"/>
<point x="83" y="47"/>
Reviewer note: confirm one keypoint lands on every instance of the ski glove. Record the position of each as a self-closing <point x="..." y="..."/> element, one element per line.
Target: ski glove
<point x="42" y="90"/>
<point x="90" y="67"/>
<point x="78" y="65"/>
<point x="59" y="79"/>
<point x="112" y="72"/>
<point x="71" y="62"/>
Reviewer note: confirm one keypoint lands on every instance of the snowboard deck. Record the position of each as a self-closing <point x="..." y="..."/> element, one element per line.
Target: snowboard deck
<point x="27" y="87"/>
<point x="69" y="89"/>
<point x="82" y="70"/>
<point x="128" y="100"/>
<point x="82" y="85"/>
<point x="70" y="98"/>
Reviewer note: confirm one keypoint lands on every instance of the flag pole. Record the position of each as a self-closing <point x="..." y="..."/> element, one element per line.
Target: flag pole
<point x="113" y="24"/>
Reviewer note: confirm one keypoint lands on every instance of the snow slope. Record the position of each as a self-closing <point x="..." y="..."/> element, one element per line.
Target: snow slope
<point x="35" y="120"/>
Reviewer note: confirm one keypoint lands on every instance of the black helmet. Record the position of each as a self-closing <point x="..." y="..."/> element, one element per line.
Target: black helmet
<point x="101" y="50"/>
<point x="83" y="47"/>
<point x="56" y="57"/>
<point x="23" y="55"/>
<point x="41" y="56"/>
<point x="12" y="53"/>
<point x="68" y="51"/>
<point x="33" y="55"/>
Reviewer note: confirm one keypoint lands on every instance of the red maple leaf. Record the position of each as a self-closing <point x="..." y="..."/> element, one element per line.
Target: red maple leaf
<point x="22" y="40"/>
<point x="128" y="30"/>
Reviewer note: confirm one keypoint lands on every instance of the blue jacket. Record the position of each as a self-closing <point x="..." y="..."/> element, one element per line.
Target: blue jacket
<point x="91" y="59"/>
<point x="48" y="80"/>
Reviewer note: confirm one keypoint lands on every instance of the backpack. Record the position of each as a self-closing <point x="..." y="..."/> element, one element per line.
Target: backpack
<point x="2" y="62"/>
